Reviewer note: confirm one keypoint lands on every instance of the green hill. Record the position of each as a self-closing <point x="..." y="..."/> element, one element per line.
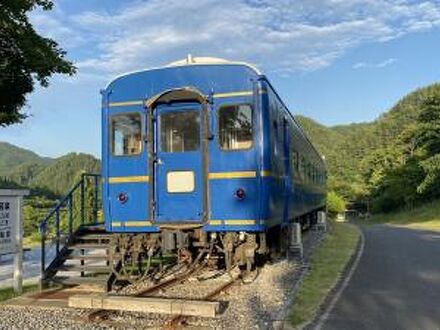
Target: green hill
<point x="12" y="156"/>
<point x="54" y="176"/>
<point x="61" y="174"/>
<point x="362" y="158"/>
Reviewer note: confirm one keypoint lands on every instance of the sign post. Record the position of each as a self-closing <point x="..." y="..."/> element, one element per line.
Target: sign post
<point x="11" y="230"/>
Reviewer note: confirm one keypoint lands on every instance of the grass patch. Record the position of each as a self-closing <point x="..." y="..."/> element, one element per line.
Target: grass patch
<point x="327" y="263"/>
<point x="425" y="217"/>
<point x="8" y="293"/>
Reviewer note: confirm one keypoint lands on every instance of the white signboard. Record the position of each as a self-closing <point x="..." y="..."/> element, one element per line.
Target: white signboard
<point x="9" y="221"/>
<point x="11" y="230"/>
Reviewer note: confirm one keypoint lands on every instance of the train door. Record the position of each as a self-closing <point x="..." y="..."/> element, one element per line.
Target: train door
<point x="178" y="165"/>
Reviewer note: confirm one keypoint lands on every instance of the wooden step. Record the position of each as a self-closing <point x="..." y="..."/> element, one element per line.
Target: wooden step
<point x="85" y="268"/>
<point x="92" y="228"/>
<point x="88" y="246"/>
<point x="95" y="236"/>
<point x="77" y="280"/>
<point x="86" y="257"/>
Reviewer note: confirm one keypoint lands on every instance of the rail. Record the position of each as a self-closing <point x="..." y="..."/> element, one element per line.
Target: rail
<point x="79" y="207"/>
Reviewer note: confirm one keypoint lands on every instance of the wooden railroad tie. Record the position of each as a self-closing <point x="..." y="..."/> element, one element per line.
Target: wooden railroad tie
<point x="146" y="304"/>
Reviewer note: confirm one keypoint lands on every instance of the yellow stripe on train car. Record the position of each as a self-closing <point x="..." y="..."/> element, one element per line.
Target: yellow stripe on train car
<point x="233" y="222"/>
<point x="232" y="175"/>
<point x="141" y="223"/>
<point x="265" y="174"/>
<point x="125" y="104"/>
<point x="148" y="223"/>
<point x="212" y="176"/>
<point x="218" y="95"/>
<point x="233" y="94"/>
<point x="128" y="179"/>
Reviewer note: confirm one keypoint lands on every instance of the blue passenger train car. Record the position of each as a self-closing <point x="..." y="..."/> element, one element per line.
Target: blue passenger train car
<point x="203" y="153"/>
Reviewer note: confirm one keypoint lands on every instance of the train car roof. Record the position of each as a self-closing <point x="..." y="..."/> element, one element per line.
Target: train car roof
<point x="191" y="61"/>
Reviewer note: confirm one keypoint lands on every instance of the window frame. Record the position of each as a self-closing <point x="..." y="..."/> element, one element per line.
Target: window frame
<point x="159" y="125"/>
<point x="111" y="137"/>
<point x="224" y="105"/>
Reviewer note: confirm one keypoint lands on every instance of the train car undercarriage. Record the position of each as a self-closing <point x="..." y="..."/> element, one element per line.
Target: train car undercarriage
<point x="139" y="256"/>
<point x="142" y="255"/>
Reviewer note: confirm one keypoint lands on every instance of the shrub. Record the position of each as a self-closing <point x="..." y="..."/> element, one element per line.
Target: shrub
<point x="335" y="204"/>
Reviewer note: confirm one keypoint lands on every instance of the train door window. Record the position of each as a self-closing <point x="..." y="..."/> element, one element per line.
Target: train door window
<point x="235" y="127"/>
<point x="180" y="131"/>
<point x="126" y="134"/>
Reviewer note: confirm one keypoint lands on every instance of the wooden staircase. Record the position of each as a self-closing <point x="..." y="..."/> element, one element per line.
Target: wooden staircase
<point x="85" y="259"/>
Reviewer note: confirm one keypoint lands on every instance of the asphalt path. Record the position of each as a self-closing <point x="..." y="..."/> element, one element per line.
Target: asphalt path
<point x="396" y="284"/>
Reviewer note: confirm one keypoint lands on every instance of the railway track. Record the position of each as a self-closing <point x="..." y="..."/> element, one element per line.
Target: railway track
<point x="101" y="315"/>
<point x="179" y="320"/>
<point x="197" y="266"/>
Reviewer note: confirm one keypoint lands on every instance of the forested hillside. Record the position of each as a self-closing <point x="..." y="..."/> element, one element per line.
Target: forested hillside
<point x="394" y="160"/>
<point x="12" y="156"/>
<point x="48" y="176"/>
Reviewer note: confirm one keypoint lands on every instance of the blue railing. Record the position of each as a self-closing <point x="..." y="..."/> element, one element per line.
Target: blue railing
<point x="77" y="208"/>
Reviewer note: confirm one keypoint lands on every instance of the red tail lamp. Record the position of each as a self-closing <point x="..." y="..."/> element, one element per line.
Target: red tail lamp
<point x="240" y="194"/>
<point x="122" y="198"/>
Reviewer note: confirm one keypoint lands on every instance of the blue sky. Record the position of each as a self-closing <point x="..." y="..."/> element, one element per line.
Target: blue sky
<point x="335" y="61"/>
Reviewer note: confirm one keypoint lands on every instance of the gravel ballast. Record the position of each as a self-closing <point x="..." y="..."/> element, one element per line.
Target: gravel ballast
<point x="262" y="304"/>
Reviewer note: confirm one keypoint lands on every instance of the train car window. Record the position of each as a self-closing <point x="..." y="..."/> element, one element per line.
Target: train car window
<point x="305" y="169"/>
<point x="180" y="131"/>
<point x="309" y="172"/>
<point x="235" y="127"/>
<point x="275" y="139"/>
<point x="295" y="163"/>
<point x="126" y="134"/>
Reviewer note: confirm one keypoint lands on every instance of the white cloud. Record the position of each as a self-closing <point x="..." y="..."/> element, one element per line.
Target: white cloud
<point x="381" y="64"/>
<point x="284" y="35"/>
<point x="52" y="26"/>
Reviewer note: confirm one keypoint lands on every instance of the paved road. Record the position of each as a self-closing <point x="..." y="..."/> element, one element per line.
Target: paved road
<point x="396" y="284"/>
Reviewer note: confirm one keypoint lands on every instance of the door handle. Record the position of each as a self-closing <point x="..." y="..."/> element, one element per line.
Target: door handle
<point x="159" y="161"/>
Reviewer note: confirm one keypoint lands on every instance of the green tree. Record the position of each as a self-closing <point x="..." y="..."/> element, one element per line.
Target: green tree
<point x="335" y="204"/>
<point x="25" y="56"/>
<point x="427" y="136"/>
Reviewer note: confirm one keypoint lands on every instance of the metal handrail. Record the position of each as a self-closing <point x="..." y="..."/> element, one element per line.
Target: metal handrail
<point x="68" y="202"/>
